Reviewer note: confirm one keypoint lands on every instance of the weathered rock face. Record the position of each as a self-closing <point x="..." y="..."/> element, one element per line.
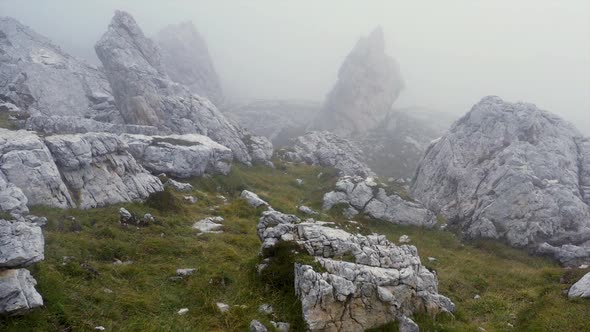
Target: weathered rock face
<point x="40" y="78"/>
<point x="84" y="171"/>
<point x="51" y="125"/>
<point x="180" y="155"/>
<point x="186" y="59"/>
<point x="145" y="94"/>
<point x="21" y="244"/>
<point x="278" y="120"/>
<point x="510" y="171"/>
<point x="98" y="170"/>
<point x="17" y="292"/>
<point x="26" y="163"/>
<point x="379" y="284"/>
<point x="369" y="82"/>
<point x="369" y="197"/>
<point x="327" y="149"/>
<point x="581" y="288"/>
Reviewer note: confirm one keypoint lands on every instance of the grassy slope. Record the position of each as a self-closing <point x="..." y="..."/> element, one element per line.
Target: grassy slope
<point x="515" y="288"/>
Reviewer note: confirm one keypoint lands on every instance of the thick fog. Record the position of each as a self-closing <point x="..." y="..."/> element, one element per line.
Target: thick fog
<point x="451" y="52"/>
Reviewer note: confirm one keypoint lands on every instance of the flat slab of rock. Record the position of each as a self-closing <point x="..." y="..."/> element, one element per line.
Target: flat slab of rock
<point x="209" y="225"/>
<point x="253" y="199"/>
<point x="21" y="244"/>
<point x="17" y="292"/>
<point x="180" y="155"/>
<point x="581" y="288"/>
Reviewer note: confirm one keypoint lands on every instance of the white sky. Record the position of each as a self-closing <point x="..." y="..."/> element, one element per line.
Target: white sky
<point x="451" y="52"/>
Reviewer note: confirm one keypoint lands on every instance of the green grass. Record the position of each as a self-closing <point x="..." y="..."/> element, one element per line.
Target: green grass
<point x="514" y="287"/>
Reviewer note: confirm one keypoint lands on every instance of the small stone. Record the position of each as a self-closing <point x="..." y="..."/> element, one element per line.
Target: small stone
<point x="404" y="239"/>
<point x="256" y="326"/>
<point x="185" y="272"/>
<point x="281" y="326"/>
<point x="178" y="186"/>
<point x="107" y="290"/>
<point x="190" y="199"/>
<point x="100" y="328"/>
<point x="182" y="311"/>
<point x="266" y="309"/>
<point x="477" y="297"/>
<point x="431" y="259"/>
<point x="407" y="325"/>
<point x="307" y="210"/>
<point x="222" y="307"/>
<point x="252" y="199"/>
<point x="148" y="218"/>
<point x="125" y="215"/>
<point x="299" y="181"/>
<point x="583" y="266"/>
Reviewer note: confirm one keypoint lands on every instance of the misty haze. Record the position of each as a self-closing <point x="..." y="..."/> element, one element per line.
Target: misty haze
<point x="288" y="165"/>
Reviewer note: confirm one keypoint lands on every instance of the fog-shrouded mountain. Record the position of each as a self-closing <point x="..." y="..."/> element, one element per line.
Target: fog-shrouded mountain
<point x="186" y="59"/>
<point x="369" y="82"/>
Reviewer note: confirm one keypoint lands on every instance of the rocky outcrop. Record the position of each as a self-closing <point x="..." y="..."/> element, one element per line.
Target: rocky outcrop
<point x="186" y="59"/>
<point x="513" y="172"/>
<point x="146" y="95"/>
<point x="584" y="164"/>
<point x="17" y="292"/>
<point x="51" y="125"/>
<point x="580" y="288"/>
<point x="84" y="171"/>
<point x="379" y="282"/>
<point x="369" y="197"/>
<point x="21" y="244"/>
<point x="98" y="170"/>
<point x="328" y="150"/>
<point x="40" y="78"/>
<point x="369" y="82"/>
<point x="27" y="163"/>
<point x="180" y="155"/>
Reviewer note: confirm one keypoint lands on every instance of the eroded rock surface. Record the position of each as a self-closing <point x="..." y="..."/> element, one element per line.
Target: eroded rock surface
<point x="186" y="59"/>
<point x="17" y="292"/>
<point x="98" y="170"/>
<point x="369" y="82"/>
<point x="329" y="150"/>
<point x="511" y="171"/>
<point x="146" y="95"/>
<point x="42" y="79"/>
<point x="180" y="155"/>
<point x="21" y="244"/>
<point x="378" y="283"/>
<point x="365" y="195"/>
<point x="581" y="288"/>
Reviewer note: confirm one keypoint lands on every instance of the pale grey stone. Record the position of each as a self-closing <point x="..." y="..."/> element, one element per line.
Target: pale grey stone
<point x="21" y="244"/>
<point x="209" y="225"/>
<point x="256" y="326"/>
<point x="514" y="172"/>
<point x="407" y="325"/>
<point x="581" y="288"/>
<point x="252" y="199"/>
<point x="17" y="292"/>
<point x="178" y="186"/>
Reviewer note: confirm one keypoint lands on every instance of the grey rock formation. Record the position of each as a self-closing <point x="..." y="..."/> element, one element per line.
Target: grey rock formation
<point x="178" y="186"/>
<point x="381" y="282"/>
<point x="64" y="171"/>
<point x="74" y="125"/>
<point x="329" y="150"/>
<point x="27" y="163"/>
<point x="209" y="225"/>
<point x="180" y="155"/>
<point x="12" y="198"/>
<point x="40" y="78"/>
<point x="17" y="292"/>
<point x="21" y="244"/>
<point x="186" y="59"/>
<point x="367" y="196"/>
<point x="407" y="325"/>
<point x="260" y="149"/>
<point x="256" y="326"/>
<point x="369" y="82"/>
<point x="513" y="172"/>
<point x="98" y="170"/>
<point x="145" y="94"/>
<point x="278" y="120"/>
<point x="581" y="288"/>
<point x="253" y="199"/>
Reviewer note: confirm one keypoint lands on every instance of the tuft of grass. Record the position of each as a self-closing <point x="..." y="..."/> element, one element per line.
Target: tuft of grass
<point x="165" y="201"/>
